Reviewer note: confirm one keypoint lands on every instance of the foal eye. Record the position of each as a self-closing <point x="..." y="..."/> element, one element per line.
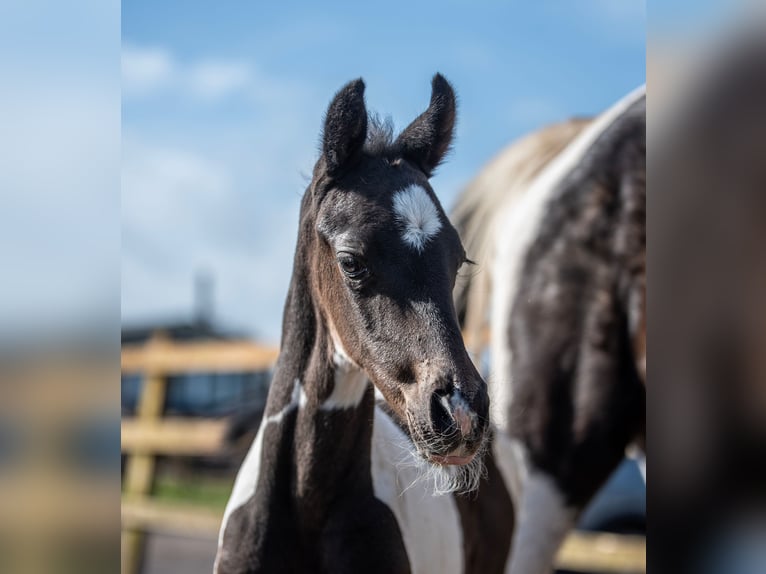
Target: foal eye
<point x="351" y="266"/>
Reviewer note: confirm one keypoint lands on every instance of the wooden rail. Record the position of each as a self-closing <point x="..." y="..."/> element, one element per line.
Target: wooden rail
<point x="166" y="357"/>
<point x="144" y="514"/>
<point x="148" y="435"/>
<point x="602" y="552"/>
<point x="177" y="437"/>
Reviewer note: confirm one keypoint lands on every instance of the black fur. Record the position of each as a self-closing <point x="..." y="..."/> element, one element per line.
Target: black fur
<point x="314" y="508"/>
<point x="427" y="140"/>
<point x="345" y="127"/>
<point x="579" y="398"/>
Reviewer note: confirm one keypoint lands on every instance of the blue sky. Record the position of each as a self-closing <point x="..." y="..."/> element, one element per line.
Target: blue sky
<point x="222" y="106"/>
<point x="60" y="167"/>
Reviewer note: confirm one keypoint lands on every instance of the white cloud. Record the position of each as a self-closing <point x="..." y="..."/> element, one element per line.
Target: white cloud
<point x="148" y="71"/>
<point x="216" y="79"/>
<point x="204" y="196"/>
<point x="182" y="213"/>
<point x="158" y="183"/>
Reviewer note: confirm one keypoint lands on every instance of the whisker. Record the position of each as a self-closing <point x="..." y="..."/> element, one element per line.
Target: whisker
<point x="439" y="480"/>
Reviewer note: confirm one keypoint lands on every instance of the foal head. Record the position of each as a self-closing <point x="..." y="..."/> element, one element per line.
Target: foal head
<point x="383" y="267"/>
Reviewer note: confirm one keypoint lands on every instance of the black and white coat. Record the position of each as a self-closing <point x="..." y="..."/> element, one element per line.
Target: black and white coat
<point x="372" y="378"/>
<point x="568" y="331"/>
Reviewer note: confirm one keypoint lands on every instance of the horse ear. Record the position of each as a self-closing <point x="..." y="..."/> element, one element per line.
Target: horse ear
<point x="345" y="127"/>
<point x="426" y="140"/>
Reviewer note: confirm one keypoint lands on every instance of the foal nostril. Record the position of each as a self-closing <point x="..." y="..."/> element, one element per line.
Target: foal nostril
<point x="460" y="416"/>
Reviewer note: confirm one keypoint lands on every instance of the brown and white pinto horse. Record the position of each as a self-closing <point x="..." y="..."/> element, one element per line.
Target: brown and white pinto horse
<point x="557" y="226"/>
<point x="341" y="475"/>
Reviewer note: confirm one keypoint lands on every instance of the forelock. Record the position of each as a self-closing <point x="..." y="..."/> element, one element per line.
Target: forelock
<point x="380" y="135"/>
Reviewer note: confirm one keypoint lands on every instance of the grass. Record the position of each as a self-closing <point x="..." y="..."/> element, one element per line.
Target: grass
<point x="208" y="492"/>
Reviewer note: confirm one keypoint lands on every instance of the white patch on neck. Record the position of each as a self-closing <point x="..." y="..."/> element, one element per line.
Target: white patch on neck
<point x="247" y="477"/>
<point x="418" y="215"/>
<point x="340" y="355"/>
<point x="349" y="387"/>
<point x="297" y="400"/>
<point x="350" y="380"/>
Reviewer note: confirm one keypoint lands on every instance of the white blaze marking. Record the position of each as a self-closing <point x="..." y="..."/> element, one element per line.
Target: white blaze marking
<point x="430" y="525"/>
<point x="517" y="229"/>
<point x="418" y="215"/>
<point x="543" y="522"/>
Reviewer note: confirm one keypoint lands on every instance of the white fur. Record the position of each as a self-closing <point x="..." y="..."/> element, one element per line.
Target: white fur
<point x="349" y="388"/>
<point x="340" y="355"/>
<point x="516" y="232"/>
<point x="430" y="525"/>
<point x="247" y="477"/>
<point x="637" y="453"/>
<point x="418" y="215"/>
<point x="350" y="381"/>
<point x="543" y="522"/>
<point x="509" y="455"/>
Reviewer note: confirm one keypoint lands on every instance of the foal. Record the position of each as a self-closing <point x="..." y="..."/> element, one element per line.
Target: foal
<point x="331" y="481"/>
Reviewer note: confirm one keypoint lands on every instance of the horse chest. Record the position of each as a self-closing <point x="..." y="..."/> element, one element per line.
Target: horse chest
<point x="430" y="525"/>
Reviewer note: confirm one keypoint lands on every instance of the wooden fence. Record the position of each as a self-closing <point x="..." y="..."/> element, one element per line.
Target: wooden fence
<point x="148" y="434"/>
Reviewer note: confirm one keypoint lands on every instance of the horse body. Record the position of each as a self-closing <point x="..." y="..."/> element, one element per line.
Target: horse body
<point x="334" y="479"/>
<point x="567" y="321"/>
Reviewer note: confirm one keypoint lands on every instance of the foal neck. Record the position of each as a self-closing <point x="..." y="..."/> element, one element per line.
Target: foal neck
<point x="331" y="432"/>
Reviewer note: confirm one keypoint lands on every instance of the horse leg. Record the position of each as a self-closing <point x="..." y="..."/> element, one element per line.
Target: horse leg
<point x="544" y="518"/>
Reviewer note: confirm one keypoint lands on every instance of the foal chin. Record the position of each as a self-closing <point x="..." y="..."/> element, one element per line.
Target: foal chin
<point x="449" y="444"/>
<point x="445" y="475"/>
<point x="447" y="435"/>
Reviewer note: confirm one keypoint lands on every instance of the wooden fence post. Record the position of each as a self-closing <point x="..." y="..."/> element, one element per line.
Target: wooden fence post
<point x="140" y="467"/>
